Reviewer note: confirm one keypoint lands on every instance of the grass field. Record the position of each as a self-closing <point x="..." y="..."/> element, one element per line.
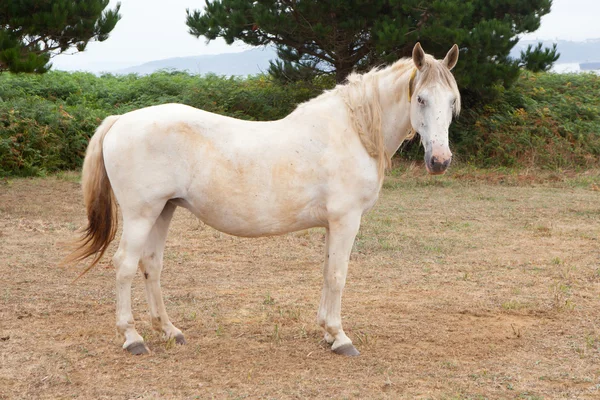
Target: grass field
<point x="475" y="285"/>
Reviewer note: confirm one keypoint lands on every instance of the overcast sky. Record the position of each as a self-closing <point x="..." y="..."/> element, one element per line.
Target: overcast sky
<point x="155" y="29"/>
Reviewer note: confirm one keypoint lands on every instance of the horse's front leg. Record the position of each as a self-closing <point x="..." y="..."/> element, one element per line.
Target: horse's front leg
<point x="338" y="245"/>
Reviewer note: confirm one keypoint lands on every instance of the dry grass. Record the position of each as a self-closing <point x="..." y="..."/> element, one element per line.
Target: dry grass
<point x="472" y="286"/>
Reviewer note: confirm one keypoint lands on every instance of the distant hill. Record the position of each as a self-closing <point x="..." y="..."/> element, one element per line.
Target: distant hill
<point x="256" y="60"/>
<point x="248" y="62"/>
<point x="570" y="52"/>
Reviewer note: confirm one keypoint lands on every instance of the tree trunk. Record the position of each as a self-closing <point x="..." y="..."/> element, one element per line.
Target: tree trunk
<point x="342" y="70"/>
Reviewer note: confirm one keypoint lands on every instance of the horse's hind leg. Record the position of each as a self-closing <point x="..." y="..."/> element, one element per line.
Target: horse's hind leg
<point x="136" y="229"/>
<point x="151" y="265"/>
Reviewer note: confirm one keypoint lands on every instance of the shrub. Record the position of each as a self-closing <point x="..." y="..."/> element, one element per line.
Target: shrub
<point x="546" y="120"/>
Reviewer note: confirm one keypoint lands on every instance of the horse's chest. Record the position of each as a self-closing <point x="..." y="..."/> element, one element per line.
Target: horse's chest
<point x="370" y="201"/>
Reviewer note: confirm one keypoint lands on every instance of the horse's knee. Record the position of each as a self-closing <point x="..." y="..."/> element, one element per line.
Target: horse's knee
<point x="335" y="287"/>
<point x="335" y="282"/>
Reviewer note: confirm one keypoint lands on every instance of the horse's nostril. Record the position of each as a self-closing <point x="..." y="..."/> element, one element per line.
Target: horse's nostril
<point x="438" y="165"/>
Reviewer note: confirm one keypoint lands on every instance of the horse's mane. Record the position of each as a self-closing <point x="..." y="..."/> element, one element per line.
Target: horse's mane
<point x="361" y="96"/>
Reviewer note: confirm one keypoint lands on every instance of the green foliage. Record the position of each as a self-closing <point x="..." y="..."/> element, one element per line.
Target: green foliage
<point x="538" y="59"/>
<point x="32" y="30"/>
<point x="293" y="67"/>
<point x="545" y="121"/>
<point x="342" y="35"/>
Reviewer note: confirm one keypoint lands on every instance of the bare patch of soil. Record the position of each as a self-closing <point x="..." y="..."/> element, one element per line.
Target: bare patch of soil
<point x="461" y="287"/>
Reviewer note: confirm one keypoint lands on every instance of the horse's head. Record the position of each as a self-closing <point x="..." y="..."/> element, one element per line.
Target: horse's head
<point x="434" y="98"/>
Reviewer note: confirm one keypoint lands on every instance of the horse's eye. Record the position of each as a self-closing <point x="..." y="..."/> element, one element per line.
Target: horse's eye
<point x="420" y="100"/>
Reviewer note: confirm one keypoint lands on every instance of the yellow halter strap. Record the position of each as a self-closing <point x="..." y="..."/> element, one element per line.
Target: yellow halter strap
<point x="411" y="83"/>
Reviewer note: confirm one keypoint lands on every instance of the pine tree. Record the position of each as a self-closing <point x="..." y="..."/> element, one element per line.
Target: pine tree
<point x="537" y="59"/>
<point x="31" y="31"/>
<point x="341" y="35"/>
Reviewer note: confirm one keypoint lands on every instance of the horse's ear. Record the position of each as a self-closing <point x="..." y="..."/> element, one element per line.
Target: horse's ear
<point x="418" y="56"/>
<point x="451" y="58"/>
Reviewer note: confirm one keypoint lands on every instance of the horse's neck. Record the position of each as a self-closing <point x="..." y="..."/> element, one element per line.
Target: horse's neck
<point x="395" y="126"/>
<point x="395" y="123"/>
<point x="395" y="130"/>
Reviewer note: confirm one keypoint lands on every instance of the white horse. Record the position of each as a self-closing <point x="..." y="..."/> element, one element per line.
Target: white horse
<point x="321" y="166"/>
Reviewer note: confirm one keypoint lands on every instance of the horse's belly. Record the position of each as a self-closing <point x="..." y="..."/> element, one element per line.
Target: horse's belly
<point x="261" y="228"/>
<point x="244" y="217"/>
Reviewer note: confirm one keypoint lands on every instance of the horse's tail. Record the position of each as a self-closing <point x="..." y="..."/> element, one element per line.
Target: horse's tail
<point x="99" y="201"/>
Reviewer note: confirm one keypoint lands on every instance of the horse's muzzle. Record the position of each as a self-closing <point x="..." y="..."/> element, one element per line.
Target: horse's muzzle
<point x="436" y="165"/>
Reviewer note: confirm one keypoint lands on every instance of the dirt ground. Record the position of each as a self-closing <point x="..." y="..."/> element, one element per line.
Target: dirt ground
<point x="469" y="286"/>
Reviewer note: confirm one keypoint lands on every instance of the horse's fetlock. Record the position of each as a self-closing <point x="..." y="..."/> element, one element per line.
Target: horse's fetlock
<point x="333" y="330"/>
<point x="123" y="326"/>
<point x="157" y="323"/>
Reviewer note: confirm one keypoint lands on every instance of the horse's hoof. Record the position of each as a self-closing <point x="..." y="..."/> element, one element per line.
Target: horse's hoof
<point x="137" y="349"/>
<point x="346" y="350"/>
<point x="179" y="339"/>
